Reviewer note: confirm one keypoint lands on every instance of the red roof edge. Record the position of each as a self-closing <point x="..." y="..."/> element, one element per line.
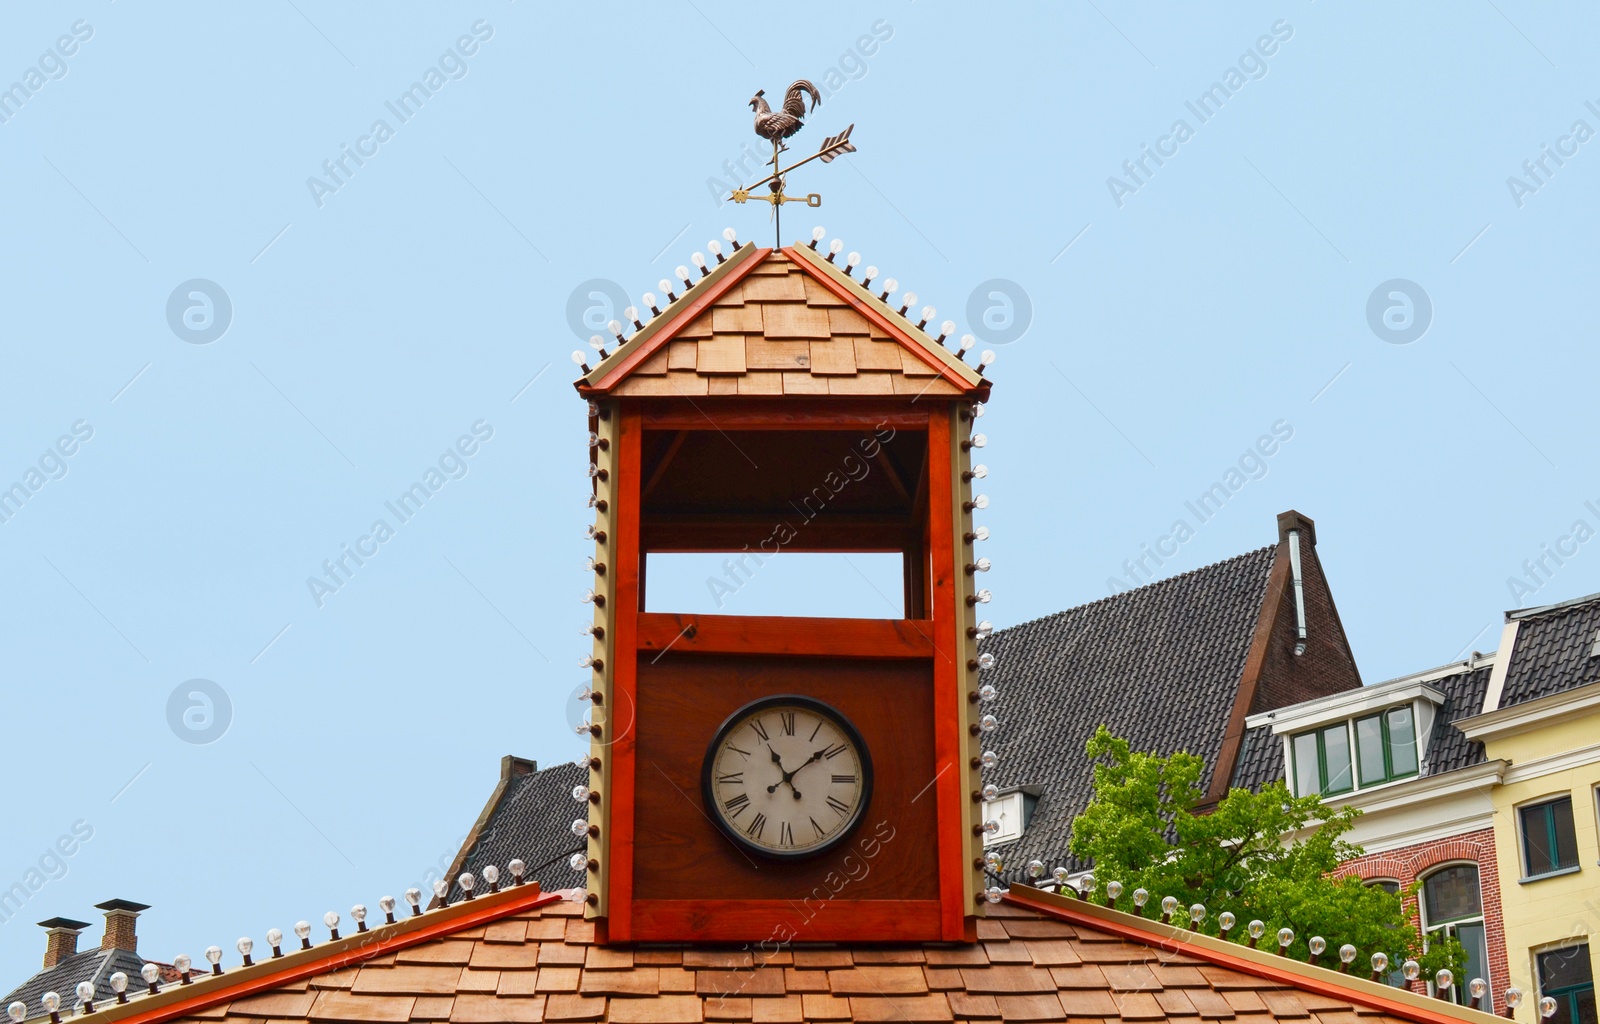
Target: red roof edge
<point x="209" y="990"/>
<point x="1258" y="963"/>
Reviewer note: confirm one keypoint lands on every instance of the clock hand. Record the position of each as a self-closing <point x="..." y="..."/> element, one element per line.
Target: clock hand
<point x="787" y="776"/>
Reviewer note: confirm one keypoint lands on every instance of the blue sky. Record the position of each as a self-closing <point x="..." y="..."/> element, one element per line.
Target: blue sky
<point x="186" y="485"/>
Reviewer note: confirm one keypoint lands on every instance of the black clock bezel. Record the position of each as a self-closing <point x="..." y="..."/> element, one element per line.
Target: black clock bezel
<point x="828" y="711"/>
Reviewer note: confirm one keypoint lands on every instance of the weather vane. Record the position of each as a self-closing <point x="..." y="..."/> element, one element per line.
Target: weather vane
<point x="778" y="125"/>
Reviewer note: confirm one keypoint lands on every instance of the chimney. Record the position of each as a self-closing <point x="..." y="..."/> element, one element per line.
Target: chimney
<point x="62" y="940"/>
<point x="120" y="916"/>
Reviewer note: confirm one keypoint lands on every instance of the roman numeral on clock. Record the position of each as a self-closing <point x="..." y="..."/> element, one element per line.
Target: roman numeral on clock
<point x="847" y="779"/>
<point x="820" y="832"/>
<point x="735" y="779"/>
<point x="833" y="752"/>
<point x="757" y="825"/>
<point x="838" y="805"/>
<point x="786" y="834"/>
<point x="736" y="806"/>
<point x="760" y="730"/>
<point x="787" y="717"/>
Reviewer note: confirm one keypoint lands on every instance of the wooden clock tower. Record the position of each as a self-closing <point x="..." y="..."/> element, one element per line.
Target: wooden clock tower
<point x="784" y="779"/>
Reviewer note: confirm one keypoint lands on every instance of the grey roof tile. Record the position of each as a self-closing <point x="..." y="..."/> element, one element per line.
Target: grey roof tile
<point x="533" y="822"/>
<point x="92" y="965"/>
<point x="1552" y="650"/>
<point x="1159" y="665"/>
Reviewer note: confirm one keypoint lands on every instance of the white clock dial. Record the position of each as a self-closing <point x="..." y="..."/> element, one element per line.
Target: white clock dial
<point x="787" y="776"/>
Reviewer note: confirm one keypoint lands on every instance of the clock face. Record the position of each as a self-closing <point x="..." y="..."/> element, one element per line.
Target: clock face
<point x="787" y="776"/>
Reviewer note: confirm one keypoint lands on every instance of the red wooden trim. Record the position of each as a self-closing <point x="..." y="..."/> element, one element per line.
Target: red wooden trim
<point x="889" y="326"/>
<point x="709" y="293"/>
<point x="624" y="678"/>
<point x="734" y="412"/>
<point x="780" y="921"/>
<point x="173" y="1002"/>
<point x="949" y="677"/>
<point x="772" y="634"/>
<point x="1321" y="980"/>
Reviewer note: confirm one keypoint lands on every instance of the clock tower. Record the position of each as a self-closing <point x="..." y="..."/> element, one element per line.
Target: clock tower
<point x="785" y="779"/>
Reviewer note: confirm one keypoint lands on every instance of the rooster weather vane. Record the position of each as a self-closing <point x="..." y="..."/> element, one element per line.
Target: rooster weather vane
<point x="778" y="125"/>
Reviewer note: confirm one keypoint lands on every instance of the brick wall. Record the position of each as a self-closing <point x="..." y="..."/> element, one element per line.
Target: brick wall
<point x="1327" y="666"/>
<point x="1407" y="864"/>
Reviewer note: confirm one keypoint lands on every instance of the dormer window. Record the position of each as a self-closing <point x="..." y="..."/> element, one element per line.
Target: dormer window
<point x="1357" y="753"/>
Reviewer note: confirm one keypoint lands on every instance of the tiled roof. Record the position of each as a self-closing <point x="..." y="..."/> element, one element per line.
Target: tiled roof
<point x="1551" y="653"/>
<point x="1159" y="665"/>
<point x="784" y="322"/>
<point x="1260" y="759"/>
<point x="513" y="957"/>
<point x="533" y="811"/>
<point x="92" y="965"/>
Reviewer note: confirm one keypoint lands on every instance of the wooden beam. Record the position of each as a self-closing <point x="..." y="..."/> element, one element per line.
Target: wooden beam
<point x="748" y="413"/>
<point x="666" y="460"/>
<point x="682" y="633"/>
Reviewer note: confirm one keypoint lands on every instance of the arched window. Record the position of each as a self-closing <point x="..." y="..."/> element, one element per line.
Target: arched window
<point x="1452" y="905"/>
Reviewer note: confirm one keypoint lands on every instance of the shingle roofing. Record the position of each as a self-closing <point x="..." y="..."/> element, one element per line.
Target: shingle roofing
<point x="534" y="812"/>
<point x="92" y="965"/>
<point x="1159" y="665"/>
<point x="516" y="956"/>
<point x="1552" y="650"/>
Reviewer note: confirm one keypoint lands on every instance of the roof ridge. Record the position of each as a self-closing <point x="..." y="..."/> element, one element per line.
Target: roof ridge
<point x="1545" y="609"/>
<point x="1144" y="587"/>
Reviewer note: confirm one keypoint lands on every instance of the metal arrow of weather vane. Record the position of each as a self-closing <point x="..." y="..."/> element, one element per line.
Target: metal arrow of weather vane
<point x="778" y="125"/>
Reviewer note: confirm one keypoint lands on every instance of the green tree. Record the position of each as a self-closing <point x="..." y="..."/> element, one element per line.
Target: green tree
<point x="1265" y="856"/>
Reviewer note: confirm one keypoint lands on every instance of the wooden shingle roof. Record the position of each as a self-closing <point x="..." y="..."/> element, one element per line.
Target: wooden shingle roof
<point x="782" y="322"/>
<point x="522" y="956"/>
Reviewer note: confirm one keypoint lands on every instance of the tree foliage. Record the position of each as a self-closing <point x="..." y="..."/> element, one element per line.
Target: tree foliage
<point x="1265" y="856"/>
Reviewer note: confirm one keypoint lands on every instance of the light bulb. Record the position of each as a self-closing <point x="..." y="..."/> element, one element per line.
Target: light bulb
<point x="1060" y="875"/>
<point x="979" y="441"/>
<point x="1317" y="944"/>
<point x="980" y="472"/>
<point x="1547" y="1007"/>
<point x="599" y="345"/>
<point x="1168" y="905"/>
<point x="714" y="247"/>
<point x="1380" y="963"/>
<point x="578" y="358"/>
<point x="991" y="791"/>
<point x="983" y="565"/>
<point x="665" y="286"/>
<point x="1285" y="937"/>
<point x="414" y="897"/>
<point x="991" y="827"/>
<point x="51" y="1001"/>
<point x="441" y="887"/>
<point x="994" y="894"/>
<point x="868" y="274"/>
<point x="1347" y="953"/>
<point x="988" y="723"/>
<point x="580" y="793"/>
<point x="818" y="233"/>
<point x="1226" y="921"/>
<point x="980" y="501"/>
<point x="150" y="973"/>
<point x="466" y="881"/>
<point x="18" y="1012"/>
<point x="182" y="962"/>
<point x="1411" y="970"/>
<point x="244" y="945"/>
<point x="578" y="862"/>
<point x="85" y="992"/>
<point x="683" y="274"/>
<point x="1035" y="869"/>
<point x="516" y="867"/>
<point x="650" y="299"/>
<point x="989" y="759"/>
<point x="731" y="236"/>
<point x="1513" y="997"/>
<point x="632" y="313"/>
<point x="331" y="919"/>
<point x="983" y="596"/>
<point x="985" y="629"/>
<point x="1197" y="913"/>
<point x="491" y="874"/>
<point x="1141" y="897"/>
<point x="615" y="327"/>
<point x="1444" y="979"/>
<point x="1114" y="889"/>
<point x="977" y="410"/>
<point x="994" y="862"/>
<point x="890" y="286"/>
<point x="986" y="661"/>
<point x="1256" y="929"/>
<point x="119" y="983"/>
<point x="580" y="828"/>
<point x="698" y="260"/>
<point x="947" y="328"/>
<point x="987" y="692"/>
<point x="835" y="247"/>
<point x="980" y="533"/>
<point x="275" y="940"/>
<point x="853" y="260"/>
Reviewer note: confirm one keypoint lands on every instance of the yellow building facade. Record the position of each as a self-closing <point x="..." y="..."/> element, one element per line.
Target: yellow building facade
<point x="1547" y="839"/>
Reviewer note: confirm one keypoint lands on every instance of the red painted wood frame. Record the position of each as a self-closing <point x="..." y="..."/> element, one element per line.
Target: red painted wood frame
<point x="949" y="918"/>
